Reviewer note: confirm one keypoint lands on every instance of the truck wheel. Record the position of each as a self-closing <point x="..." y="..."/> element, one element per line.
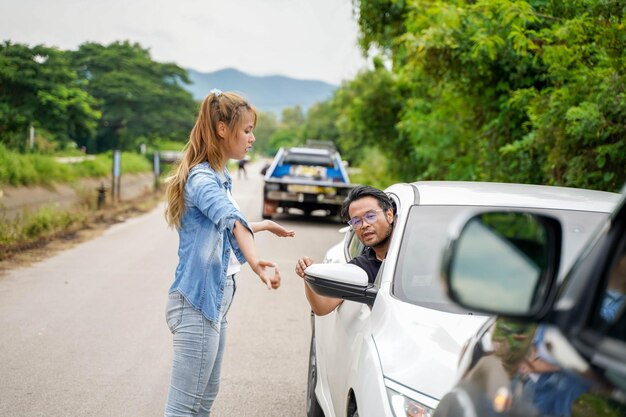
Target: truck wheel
<point x="335" y="213"/>
<point x="269" y="208"/>
<point x="265" y="215"/>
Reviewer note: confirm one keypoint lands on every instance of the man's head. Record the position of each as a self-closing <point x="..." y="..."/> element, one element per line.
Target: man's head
<point x="371" y="213"/>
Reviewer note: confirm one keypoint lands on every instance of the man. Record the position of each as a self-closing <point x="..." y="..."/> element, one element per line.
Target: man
<point x="242" y="169"/>
<point x="370" y="213"/>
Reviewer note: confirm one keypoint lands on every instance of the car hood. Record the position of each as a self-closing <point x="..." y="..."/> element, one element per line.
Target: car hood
<point x="420" y="347"/>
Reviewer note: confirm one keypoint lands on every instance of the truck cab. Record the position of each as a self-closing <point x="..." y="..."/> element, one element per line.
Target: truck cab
<point x="306" y="178"/>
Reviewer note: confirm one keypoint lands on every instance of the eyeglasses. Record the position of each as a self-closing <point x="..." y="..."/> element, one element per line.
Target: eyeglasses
<point x="370" y="217"/>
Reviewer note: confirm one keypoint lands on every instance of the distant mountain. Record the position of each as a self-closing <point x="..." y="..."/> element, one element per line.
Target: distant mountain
<point x="266" y="93"/>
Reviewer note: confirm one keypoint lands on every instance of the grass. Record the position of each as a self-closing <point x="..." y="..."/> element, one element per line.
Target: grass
<point x="42" y="225"/>
<point x="37" y="231"/>
<point x="33" y="169"/>
<point x="598" y="406"/>
<point x="170" y="145"/>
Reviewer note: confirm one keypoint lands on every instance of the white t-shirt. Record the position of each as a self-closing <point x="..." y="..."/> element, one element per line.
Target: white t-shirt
<point x="233" y="264"/>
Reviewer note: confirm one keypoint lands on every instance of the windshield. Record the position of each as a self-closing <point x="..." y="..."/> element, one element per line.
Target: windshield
<point x="294" y="158"/>
<point x="417" y="276"/>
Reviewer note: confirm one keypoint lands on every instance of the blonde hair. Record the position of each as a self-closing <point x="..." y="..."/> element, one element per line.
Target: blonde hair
<point x="205" y="144"/>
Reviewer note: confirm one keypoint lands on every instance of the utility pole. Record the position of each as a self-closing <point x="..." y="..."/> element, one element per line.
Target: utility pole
<point x="31" y="139"/>
<point x="115" y="177"/>
<point x="157" y="169"/>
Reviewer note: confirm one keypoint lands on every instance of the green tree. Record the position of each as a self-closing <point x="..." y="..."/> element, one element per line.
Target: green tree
<point x="266" y="126"/>
<point x="505" y="90"/>
<point x="141" y="100"/>
<point x="381" y="22"/>
<point x="293" y="119"/>
<point x="289" y="131"/>
<point x="369" y="108"/>
<point x="282" y="138"/>
<point x="321" y="123"/>
<point x="39" y="88"/>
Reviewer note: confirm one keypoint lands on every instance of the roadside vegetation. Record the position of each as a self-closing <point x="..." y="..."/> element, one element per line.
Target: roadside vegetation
<point x="27" y="237"/>
<point x="45" y="223"/>
<point x="96" y="98"/>
<point x="82" y="103"/>
<point x="18" y="169"/>
<point x="490" y="90"/>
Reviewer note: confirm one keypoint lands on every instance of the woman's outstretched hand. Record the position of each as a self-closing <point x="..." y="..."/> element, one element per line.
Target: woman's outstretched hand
<point x="262" y="269"/>
<point x="277" y="229"/>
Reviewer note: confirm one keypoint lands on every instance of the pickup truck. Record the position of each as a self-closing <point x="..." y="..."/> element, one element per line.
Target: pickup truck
<point x="306" y="178"/>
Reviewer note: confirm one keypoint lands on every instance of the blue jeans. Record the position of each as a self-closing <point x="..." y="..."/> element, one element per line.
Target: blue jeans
<point x="198" y="351"/>
<point x="554" y="393"/>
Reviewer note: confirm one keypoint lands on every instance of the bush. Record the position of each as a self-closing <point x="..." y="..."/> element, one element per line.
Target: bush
<point x="373" y="171"/>
<point x="46" y="221"/>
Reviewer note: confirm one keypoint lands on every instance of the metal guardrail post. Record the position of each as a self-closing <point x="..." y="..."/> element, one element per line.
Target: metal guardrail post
<point x="157" y="170"/>
<point x="116" y="177"/>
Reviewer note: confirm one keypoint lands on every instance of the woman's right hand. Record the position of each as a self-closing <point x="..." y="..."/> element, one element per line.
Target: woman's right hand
<point x="277" y="229"/>
<point x="262" y="269"/>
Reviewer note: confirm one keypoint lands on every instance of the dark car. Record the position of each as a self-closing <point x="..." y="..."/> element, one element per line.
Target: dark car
<point x="555" y="348"/>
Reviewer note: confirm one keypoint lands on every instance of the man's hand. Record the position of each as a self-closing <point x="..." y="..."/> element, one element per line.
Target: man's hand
<point x="321" y="305"/>
<point x="302" y="265"/>
<point x="262" y="270"/>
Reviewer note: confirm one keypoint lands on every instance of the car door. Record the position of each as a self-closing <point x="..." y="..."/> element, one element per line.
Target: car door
<point x="586" y="334"/>
<point x="570" y="359"/>
<point x="351" y="325"/>
<point x="596" y="327"/>
<point x="339" y="336"/>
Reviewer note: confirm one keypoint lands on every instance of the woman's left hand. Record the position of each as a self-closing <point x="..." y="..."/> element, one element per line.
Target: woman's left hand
<point x="277" y="229"/>
<point x="261" y="268"/>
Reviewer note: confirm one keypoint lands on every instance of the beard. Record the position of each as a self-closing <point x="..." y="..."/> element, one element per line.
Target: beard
<point x="384" y="239"/>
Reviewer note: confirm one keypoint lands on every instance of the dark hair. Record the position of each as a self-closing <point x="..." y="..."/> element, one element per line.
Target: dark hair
<point x="361" y="191"/>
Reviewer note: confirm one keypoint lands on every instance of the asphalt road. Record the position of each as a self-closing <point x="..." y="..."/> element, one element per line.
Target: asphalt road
<point x="84" y="334"/>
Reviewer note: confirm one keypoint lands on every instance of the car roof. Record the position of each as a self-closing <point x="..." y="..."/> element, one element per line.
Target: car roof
<point x="504" y="195"/>
<point x="309" y="151"/>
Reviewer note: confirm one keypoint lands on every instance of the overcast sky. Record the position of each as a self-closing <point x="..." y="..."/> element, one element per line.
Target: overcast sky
<point x="305" y="39"/>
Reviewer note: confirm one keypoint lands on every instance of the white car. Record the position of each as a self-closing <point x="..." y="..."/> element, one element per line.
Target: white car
<point x="393" y="348"/>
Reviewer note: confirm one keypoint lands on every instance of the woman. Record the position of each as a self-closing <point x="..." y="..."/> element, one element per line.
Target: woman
<point x="214" y="240"/>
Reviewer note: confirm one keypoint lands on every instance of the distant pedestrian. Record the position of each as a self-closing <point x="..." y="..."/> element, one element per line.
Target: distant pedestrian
<point x="266" y="166"/>
<point x="214" y="241"/>
<point x="242" y="169"/>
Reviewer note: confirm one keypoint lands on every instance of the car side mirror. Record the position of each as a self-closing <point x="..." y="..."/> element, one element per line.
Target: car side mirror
<point x="345" y="281"/>
<point x="503" y="263"/>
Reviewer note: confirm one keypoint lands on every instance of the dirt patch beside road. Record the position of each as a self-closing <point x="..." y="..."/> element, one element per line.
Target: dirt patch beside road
<point x="14" y="201"/>
<point x="139" y="199"/>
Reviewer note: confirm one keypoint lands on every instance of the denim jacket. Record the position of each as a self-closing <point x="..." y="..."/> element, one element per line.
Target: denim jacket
<point x="206" y="239"/>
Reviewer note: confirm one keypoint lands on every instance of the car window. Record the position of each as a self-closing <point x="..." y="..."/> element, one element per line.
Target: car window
<point x="355" y="247"/>
<point x="308" y="159"/>
<point x="610" y="317"/>
<point x="416" y="278"/>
